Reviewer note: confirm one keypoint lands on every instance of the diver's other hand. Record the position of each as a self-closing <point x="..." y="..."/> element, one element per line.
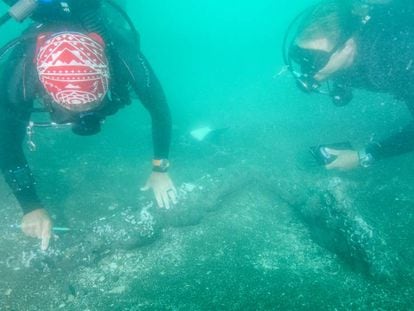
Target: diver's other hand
<point x="345" y="159"/>
<point x="37" y="224"/>
<point x="164" y="190"/>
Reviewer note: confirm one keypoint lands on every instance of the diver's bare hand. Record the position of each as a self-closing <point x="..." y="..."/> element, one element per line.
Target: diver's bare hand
<point x="345" y="159"/>
<point x="164" y="190"/>
<point x="37" y="224"/>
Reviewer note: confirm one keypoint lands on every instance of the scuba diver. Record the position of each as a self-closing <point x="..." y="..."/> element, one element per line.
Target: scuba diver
<point x="79" y="70"/>
<point x="330" y="49"/>
<point x="356" y="44"/>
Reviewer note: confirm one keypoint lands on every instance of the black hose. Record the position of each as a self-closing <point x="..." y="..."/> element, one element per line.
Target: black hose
<point x="4" y="19"/>
<point x="126" y="17"/>
<point x="15" y="42"/>
<point x="94" y="23"/>
<point x="9" y="46"/>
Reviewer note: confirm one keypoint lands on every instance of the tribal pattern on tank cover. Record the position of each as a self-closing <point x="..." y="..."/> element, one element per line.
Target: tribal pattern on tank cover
<point x="73" y="69"/>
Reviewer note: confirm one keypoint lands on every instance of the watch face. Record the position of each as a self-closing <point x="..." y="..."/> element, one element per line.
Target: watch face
<point x="161" y="165"/>
<point x="164" y="164"/>
<point x="366" y="160"/>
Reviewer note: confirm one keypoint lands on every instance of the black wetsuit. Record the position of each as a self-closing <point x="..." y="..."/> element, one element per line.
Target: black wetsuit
<point x="20" y="86"/>
<point x="385" y="63"/>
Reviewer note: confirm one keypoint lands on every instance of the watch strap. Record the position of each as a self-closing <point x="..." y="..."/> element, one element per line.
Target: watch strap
<point x="160" y="165"/>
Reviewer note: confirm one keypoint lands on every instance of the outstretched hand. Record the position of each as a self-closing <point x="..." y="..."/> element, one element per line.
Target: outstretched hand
<point x="164" y="190"/>
<point x="37" y="224"/>
<point x="345" y="159"/>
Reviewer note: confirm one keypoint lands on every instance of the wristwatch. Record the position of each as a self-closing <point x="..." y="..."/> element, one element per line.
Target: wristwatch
<point x="365" y="159"/>
<point x="160" y="165"/>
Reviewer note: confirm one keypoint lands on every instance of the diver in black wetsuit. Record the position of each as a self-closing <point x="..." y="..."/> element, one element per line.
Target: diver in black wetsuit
<point x="82" y="72"/>
<point x="358" y="44"/>
<point x="340" y="45"/>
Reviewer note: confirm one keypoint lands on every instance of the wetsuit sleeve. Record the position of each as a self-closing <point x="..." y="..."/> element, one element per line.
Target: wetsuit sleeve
<point x="13" y="123"/>
<point x="13" y="163"/>
<point x="399" y="143"/>
<point x="149" y="91"/>
<point x="151" y="95"/>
